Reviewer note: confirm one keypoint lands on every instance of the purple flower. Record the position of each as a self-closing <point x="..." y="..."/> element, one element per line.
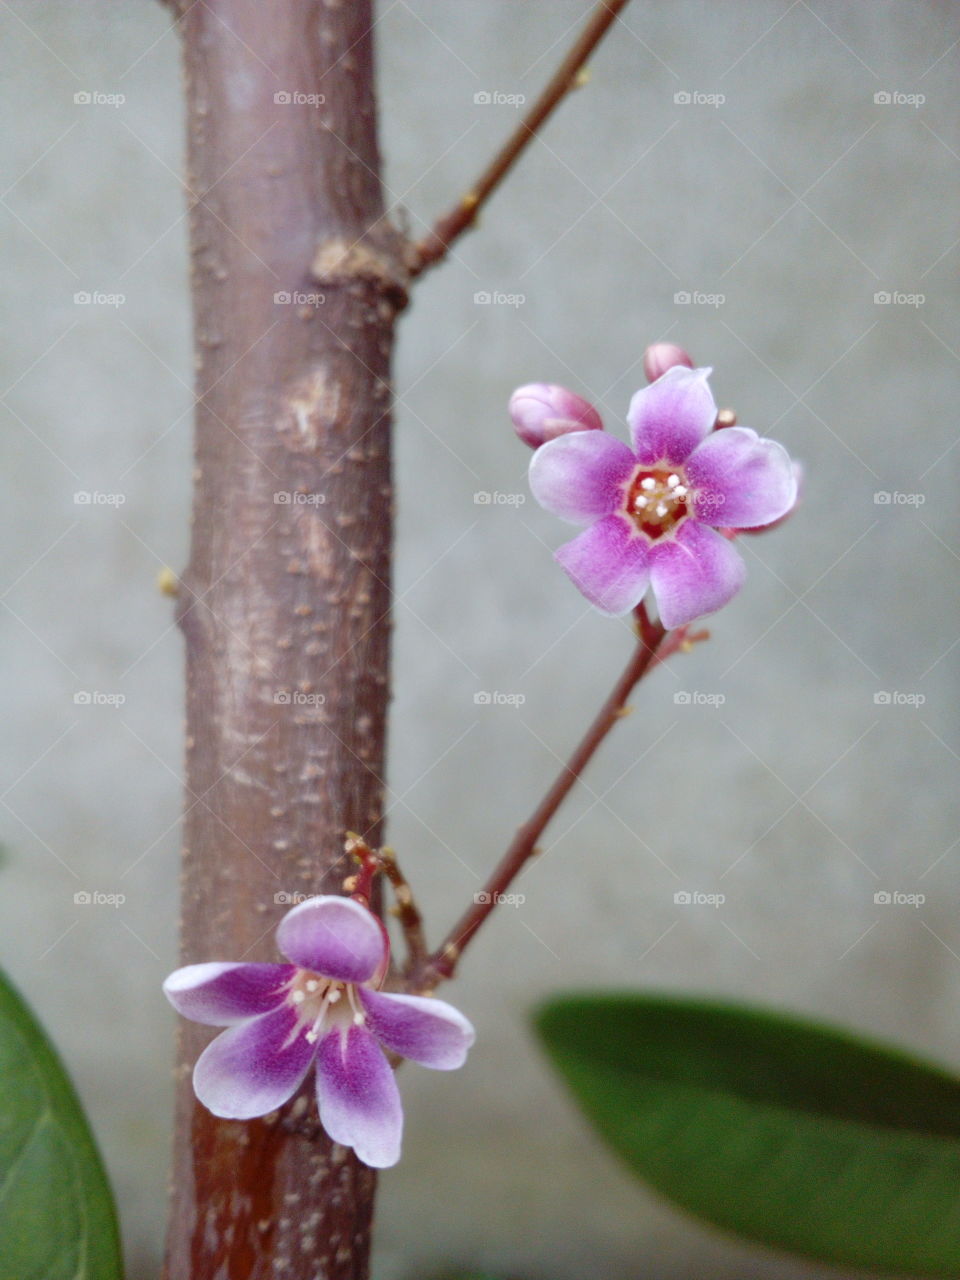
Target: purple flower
<point x="653" y="510"/>
<point x="319" y="1009"/>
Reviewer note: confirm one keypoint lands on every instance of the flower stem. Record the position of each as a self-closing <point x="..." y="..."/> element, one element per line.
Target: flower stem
<point x="654" y="644"/>
<point x="435" y="246"/>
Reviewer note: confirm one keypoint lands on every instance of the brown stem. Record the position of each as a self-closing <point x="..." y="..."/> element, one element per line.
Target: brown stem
<point x="435" y="246"/>
<point x="284" y="605"/>
<point x="523" y="847"/>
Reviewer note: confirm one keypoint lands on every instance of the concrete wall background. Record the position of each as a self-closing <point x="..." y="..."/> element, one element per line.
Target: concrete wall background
<point x="798" y="199"/>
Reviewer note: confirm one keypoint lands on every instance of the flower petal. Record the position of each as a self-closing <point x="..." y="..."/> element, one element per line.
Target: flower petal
<point x="694" y="573"/>
<point x="358" y="1096"/>
<point x="670" y="418"/>
<point x="609" y="563"/>
<point x="740" y="480"/>
<point x="580" y="476"/>
<point x="425" y="1030"/>
<point x="254" y="1068"/>
<point x="222" y="994"/>
<point x="333" y="936"/>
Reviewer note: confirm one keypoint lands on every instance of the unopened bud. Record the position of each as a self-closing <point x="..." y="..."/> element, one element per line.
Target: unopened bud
<point x="725" y="418"/>
<point x="542" y="411"/>
<point x="661" y="356"/>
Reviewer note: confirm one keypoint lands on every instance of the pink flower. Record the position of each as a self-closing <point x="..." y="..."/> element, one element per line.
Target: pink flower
<point x="318" y="1010"/>
<point x="542" y="411"/>
<point x="653" y="510"/>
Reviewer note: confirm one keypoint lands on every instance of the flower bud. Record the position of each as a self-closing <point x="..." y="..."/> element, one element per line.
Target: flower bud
<point x="661" y="356"/>
<point x="542" y="411"/>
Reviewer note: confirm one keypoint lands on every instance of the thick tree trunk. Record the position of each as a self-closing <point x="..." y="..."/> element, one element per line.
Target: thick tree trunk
<point x="285" y="602"/>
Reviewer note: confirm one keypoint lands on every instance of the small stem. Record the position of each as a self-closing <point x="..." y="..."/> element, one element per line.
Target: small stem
<point x="406" y="910"/>
<point x="650" y="638"/>
<point x="435" y="246"/>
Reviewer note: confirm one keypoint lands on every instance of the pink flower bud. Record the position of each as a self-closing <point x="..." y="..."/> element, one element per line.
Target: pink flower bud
<point x="662" y="356"/>
<point x="542" y="411"/>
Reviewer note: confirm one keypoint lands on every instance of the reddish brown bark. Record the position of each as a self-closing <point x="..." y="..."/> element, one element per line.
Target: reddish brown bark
<point x="281" y="600"/>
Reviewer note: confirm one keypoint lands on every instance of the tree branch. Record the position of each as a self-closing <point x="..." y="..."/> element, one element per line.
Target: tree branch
<point x="654" y="644"/>
<point x="434" y="247"/>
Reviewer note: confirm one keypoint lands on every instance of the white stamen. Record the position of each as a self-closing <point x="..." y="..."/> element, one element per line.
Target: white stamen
<point x="648" y="482"/>
<point x="312" y="984"/>
<point x="680" y="491"/>
<point x="640" y="502"/>
<point x="673" y="481"/>
<point x="661" y="508"/>
<point x="334" y="996"/>
<point x="298" y="997"/>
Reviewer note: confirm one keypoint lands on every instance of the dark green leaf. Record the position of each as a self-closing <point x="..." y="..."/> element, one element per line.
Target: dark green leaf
<point x="793" y="1134"/>
<point x="57" y="1220"/>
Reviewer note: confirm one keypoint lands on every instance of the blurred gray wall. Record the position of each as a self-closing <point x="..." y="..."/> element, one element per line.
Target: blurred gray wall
<point x="797" y="198"/>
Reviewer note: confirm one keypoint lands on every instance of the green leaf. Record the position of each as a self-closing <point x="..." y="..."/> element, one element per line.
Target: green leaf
<point x="57" y="1218"/>
<point x="797" y="1135"/>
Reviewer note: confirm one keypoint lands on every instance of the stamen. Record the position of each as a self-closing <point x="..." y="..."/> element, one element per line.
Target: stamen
<point x="648" y="482"/>
<point x="312" y="984"/>
<point x="673" y="481"/>
<point x="641" y="502"/>
<point x="298" y="997"/>
<point x="661" y="509"/>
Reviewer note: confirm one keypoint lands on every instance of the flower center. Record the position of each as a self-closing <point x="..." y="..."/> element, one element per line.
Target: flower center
<point x="656" y="500"/>
<point x="321" y="1002"/>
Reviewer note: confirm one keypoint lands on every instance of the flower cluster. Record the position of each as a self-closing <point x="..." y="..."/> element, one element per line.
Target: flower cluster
<point x="660" y="511"/>
<point x="321" y="1009"/>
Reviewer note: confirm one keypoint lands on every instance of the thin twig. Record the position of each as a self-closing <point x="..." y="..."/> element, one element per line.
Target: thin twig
<point x="433" y="248"/>
<point x="441" y="965"/>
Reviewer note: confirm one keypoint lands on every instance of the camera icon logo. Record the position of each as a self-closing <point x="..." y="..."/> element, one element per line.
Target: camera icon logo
<point x="882" y="698"/>
<point x="882" y="498"/>
<point x="883" y="98"/>
<point x="281" y="299"/>
<point x="482" y="499"/>
<point x="482" y="298"/>
<point x="83" y="99"/>
<point x="282" y="98"/>
<point x="681" y="298"/>
<point x="683" y="898"/>
<point x="283" y="899"/>
<point x="682" y="698"/>
<point x="82" y="299"/>
<point x="882" y="898"/>
<point x="882" y="298"/>
<point x="482" y="898"/>
<point x="82" y="899"/>
<point x="82" y="698"/>
<point x="682" y="99"/>
<point x="482" y="699"/>
<point x="282" y="499"/>
<point x="282" y="697"/>
<point x="482" y="99"/>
